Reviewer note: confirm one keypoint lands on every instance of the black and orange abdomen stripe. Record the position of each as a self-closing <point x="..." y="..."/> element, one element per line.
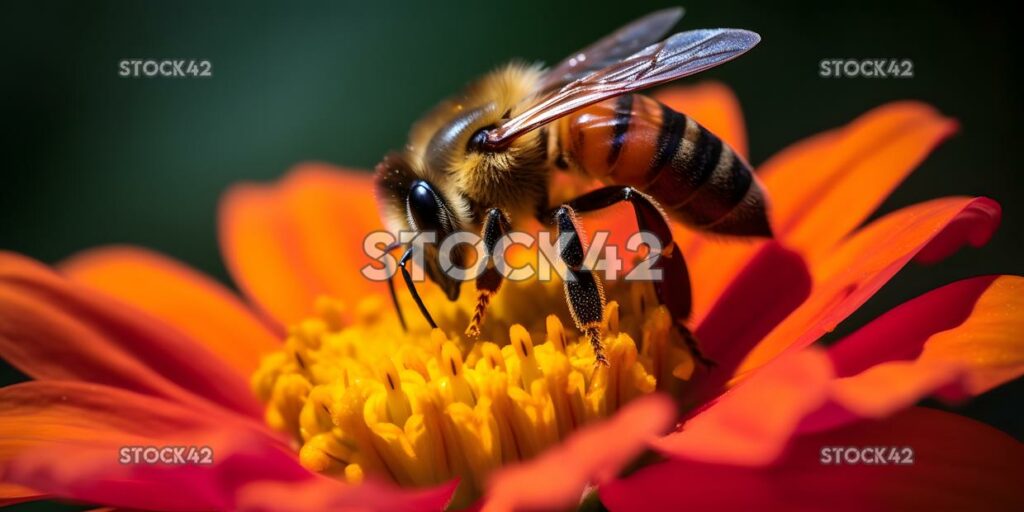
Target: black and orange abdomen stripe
<point x="699" y="180"/>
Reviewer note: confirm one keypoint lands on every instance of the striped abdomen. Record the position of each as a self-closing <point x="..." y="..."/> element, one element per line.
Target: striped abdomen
<point x="699" y="180"/>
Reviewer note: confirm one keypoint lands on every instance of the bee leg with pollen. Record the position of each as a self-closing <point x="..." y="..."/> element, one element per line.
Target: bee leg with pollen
<point x="673" y="289"/>
<point x="584" y="291"/>
<point x="496" y="225"/>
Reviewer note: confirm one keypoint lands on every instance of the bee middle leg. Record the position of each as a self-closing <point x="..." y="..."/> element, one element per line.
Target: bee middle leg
<point x="496" y="225"/>
<point x="673" y="290"/>
<point x="584" y="292"/>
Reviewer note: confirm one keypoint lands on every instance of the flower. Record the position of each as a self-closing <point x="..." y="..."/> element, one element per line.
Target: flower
<point x="308" y="386"/>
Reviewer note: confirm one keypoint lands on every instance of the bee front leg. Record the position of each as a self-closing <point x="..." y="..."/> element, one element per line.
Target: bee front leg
<point x="411" y="285"/>
<point x="583" y="289"/>
<point x="391" y="288"/>
<point x="496" y="225"/>
<point x="673" y="290"/>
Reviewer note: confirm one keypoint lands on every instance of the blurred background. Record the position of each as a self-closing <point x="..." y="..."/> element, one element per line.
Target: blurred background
<point x="92" y="158"/>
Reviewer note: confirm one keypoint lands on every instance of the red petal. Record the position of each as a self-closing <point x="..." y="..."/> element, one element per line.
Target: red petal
<point x="51" y="328"/>
<point x="959" y="340"/>
<point x="958" y="464"/>
<point x="558" y="477"/>
<point x="64" y="439"/>
<point x="180" y="296"/>
<point x="327" y="494"/>
<point x="288" y="243"/>
<point x="769" y="288"/>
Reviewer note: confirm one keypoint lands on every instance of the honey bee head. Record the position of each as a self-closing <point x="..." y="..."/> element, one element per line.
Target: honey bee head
<point x="409" y="201"/>
<point x="447" y="145"/>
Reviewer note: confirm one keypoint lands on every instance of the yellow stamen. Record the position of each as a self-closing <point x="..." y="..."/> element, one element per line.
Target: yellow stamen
<point x="418" y="408"/>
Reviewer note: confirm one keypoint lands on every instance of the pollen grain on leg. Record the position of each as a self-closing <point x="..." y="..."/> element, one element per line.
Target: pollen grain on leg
<point x="370" y="400"/>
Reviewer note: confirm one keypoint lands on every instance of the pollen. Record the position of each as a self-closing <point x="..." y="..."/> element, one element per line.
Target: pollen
<point x="365" y="399"/>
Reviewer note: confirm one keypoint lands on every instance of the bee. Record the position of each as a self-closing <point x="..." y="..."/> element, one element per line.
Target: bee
<point x="485" y="158"/>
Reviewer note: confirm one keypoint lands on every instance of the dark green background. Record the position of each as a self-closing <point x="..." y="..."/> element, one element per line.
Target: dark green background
<point x="91" y="158"/>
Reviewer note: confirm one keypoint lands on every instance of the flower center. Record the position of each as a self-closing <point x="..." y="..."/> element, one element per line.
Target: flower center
<point x="421" y="407"/>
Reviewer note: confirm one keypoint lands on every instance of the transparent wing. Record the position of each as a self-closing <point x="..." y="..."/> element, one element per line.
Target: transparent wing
<point x="683" y="54"/>
<point x="613" y="47"/>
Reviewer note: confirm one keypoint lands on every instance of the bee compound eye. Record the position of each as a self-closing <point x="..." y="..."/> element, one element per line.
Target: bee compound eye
<point x="425" y="208"/>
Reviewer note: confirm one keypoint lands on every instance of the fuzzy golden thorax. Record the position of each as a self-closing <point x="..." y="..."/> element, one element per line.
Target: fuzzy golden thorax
<point x="514" y="179"/>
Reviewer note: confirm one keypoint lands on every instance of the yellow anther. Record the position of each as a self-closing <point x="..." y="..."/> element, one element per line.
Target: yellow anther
<point x="558" y="372"/>
<point x="347" y="409"/>
<point x="556" y="333"/>
<point x="309" y="333"/>
<point x="532" y="420"/>
<point x="354" y="474"/>
<point x="611" y="318"/>
<point x="451" y="359"/>
<point x="424" y="434"/>
<point x="396" y="452"/>
<point x="330" y="311"/>
<point x="271" y="367"/>
<point x="398" y="406"/>
<point x="315" y="416"/>
<point x="286" y="402"/>
<point x="627" y="378"/>
<point x="521" y="342"/>
<point x="520" y="339"/>
<point x="491" y="356"/>
<point x="325" y="453"/>
<point x="368" y="311"/>
<point x="476" y="432"/>
<point x="455" y="384"/>
<point x="412" y="358"/>
<point x="437" y="340"/>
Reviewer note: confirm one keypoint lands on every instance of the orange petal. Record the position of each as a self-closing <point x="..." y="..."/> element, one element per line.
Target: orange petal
<point x="288" y="243"/>
<point x="965" y="338"/>
<point x="180" y="296"/>
<point x="855" y="270"/>
<point x="67" y="439"/>
<point x="41" y="413"/>
<point x="958" y="464"/>
<point x="960" y="340"/>
<point x="54" y="329"/>
<point x="713" y="105"/>
<point x="557" y="478"/>
<point x="823" y="187"/>
<point x="738" y="429"/>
